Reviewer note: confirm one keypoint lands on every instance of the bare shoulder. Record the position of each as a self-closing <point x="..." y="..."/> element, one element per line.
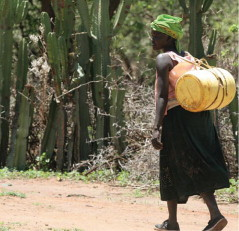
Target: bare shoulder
<point x="164" y="61"/>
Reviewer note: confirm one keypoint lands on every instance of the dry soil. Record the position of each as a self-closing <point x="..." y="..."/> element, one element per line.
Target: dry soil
<point x="77" y="206"/>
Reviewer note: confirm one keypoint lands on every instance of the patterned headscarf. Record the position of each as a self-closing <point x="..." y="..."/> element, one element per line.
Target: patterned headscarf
<point x="169" y="25"/>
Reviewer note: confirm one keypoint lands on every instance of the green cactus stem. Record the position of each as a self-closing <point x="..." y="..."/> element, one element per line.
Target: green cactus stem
<point x="212" y="42"/>
<point x="21" y="76"/>
<point x="206" y="5"/>
<point x="117" y="119"/>
<point x="233" y="110"/>
<point x="46" y="23"/>
<point x="84" y="115"/>
<point x="121" y="14"/>
<point x="63" y="59"/>
<point x="2" y="155"/>
<point x="21" y="10"/>
<point x="211" y="57"/>
<point x="58" y="44"/>
<point x="82" y="7"/>
<point x="184" y="6"/>
<point x="54" y="60"/>
<point x="5" y="91"/>
<point x="117" y="96"/>
<point x="49" y="138"/>
<point x="195" y="10"/>
<point x="65" y="19"/>
<point x="22" y="66"/>
<point x="12" y="12"/>
<point x="101" y="30"/>
<point x="76" y="130"/>
<point x="24" y="122"/>
<point x="195" y="29"/>
<point x="60" y="137"/>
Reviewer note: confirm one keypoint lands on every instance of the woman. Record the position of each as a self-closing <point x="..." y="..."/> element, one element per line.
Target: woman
<point x="191" y="160"/>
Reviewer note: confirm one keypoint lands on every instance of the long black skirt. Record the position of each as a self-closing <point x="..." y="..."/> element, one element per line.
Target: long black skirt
<point x="191" y="161"/>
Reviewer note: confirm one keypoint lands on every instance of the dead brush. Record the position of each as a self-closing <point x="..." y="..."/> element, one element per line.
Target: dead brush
<point x="139" y="158"/>
<point x="143" y="163"/>
<point x="229" y="61"/>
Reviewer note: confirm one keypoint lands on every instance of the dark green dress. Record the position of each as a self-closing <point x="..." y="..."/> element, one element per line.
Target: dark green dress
<point x="191" y="161"/>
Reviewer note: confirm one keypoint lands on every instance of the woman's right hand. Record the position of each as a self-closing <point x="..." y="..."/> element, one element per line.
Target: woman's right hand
<point x="156" y="136"/>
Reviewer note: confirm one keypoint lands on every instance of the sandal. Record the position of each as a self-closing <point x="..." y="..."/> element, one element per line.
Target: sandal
<point x="216" y="224"/>
<point x="165" y="226"/>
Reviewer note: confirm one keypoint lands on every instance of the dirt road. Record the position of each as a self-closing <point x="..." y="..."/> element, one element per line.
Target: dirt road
<point x="78" y="206"/>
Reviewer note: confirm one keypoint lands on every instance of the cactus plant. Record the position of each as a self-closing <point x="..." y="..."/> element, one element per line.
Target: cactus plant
<point x="233" y="110"/>
<point x="212" y="42"/>
<point x="23" y="125"/>
<point x="2" y="155"/>
<point x="84" y="13"/>
<point x="21" y="80"/>
<point x="101" y="30"/>
<point x="83" y="118"/>
<point x="54" y="60"/>
<point x="121" y="14"/>
<point x="117" y="95"/>
<point x="211" y="58"/>
<point x="60" y="136"/>
<point x="12" y="12"/>
<point x="49" y="138"/>
<point x="46" y="23"/>
<point x="76" y="59"/>
<point x="58" y="45"/>
<point x="195" y="10"/>
<point x="117" y="119"/>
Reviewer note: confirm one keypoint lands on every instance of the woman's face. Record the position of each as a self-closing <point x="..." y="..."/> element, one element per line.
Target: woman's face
<point x="159" y="40"/>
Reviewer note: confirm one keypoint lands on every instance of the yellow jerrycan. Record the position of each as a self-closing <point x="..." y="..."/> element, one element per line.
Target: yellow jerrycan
<point x="207" y="89"/>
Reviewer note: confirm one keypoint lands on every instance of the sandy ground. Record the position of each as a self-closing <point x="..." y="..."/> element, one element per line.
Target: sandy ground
<point x="78" y="206"/>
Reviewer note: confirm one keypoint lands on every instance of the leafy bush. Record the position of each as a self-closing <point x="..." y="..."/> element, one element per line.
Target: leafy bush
<point x="229" y="194"/>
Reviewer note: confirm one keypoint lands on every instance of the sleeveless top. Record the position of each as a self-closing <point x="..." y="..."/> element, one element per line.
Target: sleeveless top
<point x="178" y="70"/>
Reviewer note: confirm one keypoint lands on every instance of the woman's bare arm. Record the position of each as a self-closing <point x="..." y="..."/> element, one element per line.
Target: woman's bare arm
<point x="164" y="65"/>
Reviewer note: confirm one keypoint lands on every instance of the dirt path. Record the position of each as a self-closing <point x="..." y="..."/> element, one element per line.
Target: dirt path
<point x="78" y="206"/>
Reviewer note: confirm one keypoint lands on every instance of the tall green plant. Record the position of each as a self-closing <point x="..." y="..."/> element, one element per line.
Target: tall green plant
<point x="22" y="132"/>
<point x="82" y="147"/>
<point x="79" y="53"/>
<point x="101" y="31"/>
<point x="20" y="126"/>
<point x="195" y="9"/>
<point x="11" y="13"/>
<point x="117" y="119"/>
<point x="233" y="110"/>
<point x="101" y="42"/>
<point x="58" y="47"/>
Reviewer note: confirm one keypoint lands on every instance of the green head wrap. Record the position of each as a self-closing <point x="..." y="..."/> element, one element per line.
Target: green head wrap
<point x="169" y="25"/>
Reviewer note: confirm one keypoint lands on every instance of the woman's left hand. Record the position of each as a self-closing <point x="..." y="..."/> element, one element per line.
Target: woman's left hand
<point x="156" y="136"/>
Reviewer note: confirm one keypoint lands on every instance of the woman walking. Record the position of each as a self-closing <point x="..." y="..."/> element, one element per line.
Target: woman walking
<point x="191" y="159"/>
